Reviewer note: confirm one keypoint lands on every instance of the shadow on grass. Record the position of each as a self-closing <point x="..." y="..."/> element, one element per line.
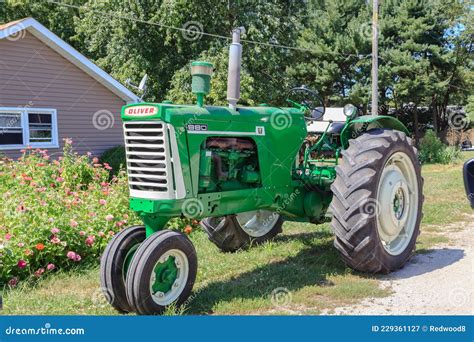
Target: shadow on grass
<point x="310" y="266"/>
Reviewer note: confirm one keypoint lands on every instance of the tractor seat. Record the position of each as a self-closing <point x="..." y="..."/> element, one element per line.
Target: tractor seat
<point x="336" y="115"/>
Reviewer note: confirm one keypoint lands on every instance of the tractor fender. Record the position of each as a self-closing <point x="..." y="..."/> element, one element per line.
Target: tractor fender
<point x="363" y="123"/>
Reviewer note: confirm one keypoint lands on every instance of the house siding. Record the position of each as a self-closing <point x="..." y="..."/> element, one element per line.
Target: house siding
<point x="34" y="75"/>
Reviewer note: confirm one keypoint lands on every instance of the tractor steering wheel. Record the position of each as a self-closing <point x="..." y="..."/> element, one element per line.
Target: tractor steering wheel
<point x="307" y="101"/>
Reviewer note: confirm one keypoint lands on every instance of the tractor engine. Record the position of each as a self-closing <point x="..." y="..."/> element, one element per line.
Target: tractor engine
<point x="228" y="164"/>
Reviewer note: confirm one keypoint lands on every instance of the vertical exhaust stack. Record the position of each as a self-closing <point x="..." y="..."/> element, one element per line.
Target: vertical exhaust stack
<point x="235" y="62"/>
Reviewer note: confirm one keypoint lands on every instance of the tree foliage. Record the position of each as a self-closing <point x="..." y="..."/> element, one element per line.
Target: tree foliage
<point x="425" y="46"/>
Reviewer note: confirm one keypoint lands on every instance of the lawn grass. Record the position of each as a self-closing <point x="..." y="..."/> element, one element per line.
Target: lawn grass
<point x="445" y="198"/>
<point x="301" y="261"/>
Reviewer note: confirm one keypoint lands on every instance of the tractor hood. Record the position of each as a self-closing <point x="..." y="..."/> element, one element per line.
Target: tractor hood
<point x="169" y="112"/>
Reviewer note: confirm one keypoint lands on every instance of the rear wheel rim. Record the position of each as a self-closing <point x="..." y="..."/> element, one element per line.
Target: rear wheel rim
<point x="397" y="203"/>
<point x="257" y="223"/>
<point x="169" y="276"/>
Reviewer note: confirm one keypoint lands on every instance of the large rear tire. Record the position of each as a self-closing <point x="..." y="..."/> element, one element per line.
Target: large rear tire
<point x="377" y="201"/>
<point x="233" y="232"/>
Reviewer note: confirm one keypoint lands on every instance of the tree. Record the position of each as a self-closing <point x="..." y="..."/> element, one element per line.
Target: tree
<point x="422" y="56"/>
<point x="337" y="44"/>
<point x="58" y="19"/>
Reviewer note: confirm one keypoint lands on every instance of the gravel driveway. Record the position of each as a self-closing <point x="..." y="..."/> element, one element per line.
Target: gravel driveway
<point x="440" y="282"/>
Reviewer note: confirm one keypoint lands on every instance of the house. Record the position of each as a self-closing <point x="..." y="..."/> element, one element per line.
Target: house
<point x="49" y="92"/>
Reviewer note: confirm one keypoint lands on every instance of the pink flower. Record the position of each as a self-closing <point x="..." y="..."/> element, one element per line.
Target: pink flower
<point x="55" y="240"/>
<point x="55" y="230"/>
<point x="77" y="258"/>
<point x="59" y="179"/>
<point x="39" y="272"/>
<point x="109" y="217"/>
<point x="68" y="141"/>
<point x="71" y="255"/>
<point x="101" y="234"/>
<point x="95" y="160"/>
<point x="21" y="244"/>
<point x="21" y="264"/>
<point x="21" y="208"/>
<point x="73" y="223"/>
<point x="102" y="201"/>
<point x="51" y="267"/>
<point x="82" y="233"/>
<point x="8" y="236"/>
<point x="13" y="282"/>
<point x="90" y="240"/>
<point x="107" y="166"/>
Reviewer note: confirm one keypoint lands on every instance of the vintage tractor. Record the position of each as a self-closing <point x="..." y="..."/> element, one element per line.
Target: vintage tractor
<point x="242" y="171"/>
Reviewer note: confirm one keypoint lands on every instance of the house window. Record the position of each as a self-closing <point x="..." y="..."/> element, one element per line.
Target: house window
<point x="21" y="127"/>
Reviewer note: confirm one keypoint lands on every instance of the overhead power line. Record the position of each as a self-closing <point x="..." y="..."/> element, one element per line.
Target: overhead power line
<point x="213" y="35"/>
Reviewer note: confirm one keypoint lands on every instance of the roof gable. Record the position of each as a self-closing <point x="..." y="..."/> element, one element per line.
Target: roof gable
<point x="68" y="52"/>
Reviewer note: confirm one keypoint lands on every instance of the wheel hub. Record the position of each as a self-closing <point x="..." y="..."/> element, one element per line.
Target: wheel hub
<point x="399" y="203"/>
<point x="165" y="275"/>
<point x="169" y="277"/>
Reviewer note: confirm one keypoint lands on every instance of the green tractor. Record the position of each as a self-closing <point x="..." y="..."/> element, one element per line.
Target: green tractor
<point x="243" y="171"/>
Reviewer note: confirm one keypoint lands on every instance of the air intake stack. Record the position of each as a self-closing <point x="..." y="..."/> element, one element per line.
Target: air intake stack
<point x="235" y="62"/>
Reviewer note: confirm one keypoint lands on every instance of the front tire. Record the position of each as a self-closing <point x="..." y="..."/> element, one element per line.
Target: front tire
<point x="233" y="232"/>
<point x="162" y="272"/>
<point x="114" y="263"/>
<point x="377" y="201"/>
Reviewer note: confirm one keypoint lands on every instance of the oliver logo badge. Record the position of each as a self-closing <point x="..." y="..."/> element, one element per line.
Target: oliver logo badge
<point x="141" y="111"/>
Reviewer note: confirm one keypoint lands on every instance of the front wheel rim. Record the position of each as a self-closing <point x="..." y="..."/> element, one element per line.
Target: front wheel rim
<point x="169" y="277"/>
<point x="257" y="223"/>
<point x="397" y="201"/>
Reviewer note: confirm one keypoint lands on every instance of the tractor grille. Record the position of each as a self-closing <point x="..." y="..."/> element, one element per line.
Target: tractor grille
<point x="149" y="160"/>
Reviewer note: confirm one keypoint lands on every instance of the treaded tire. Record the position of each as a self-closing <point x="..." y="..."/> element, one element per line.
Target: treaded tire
<point x="227" y="234"/>
<point x="142" y="266"/>
<point x="111" y="266"/>
<point x="357" y="238"/>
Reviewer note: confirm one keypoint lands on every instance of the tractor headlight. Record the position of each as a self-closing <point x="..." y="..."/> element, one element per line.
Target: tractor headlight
<point x="350" y="110"/>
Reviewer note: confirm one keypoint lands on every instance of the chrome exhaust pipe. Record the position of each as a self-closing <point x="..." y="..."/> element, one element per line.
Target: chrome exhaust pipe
<point x="235" y="65"/>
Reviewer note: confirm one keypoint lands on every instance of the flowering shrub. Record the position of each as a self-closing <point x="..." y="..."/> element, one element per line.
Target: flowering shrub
<point x="58" y="213"/>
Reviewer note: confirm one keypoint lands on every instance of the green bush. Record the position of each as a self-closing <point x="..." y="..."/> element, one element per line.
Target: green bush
<point x="432" y="150"/>
<point x="115" y="158"/>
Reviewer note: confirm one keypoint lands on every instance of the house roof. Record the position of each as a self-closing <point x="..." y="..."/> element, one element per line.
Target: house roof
<point x="68" y="52"/>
